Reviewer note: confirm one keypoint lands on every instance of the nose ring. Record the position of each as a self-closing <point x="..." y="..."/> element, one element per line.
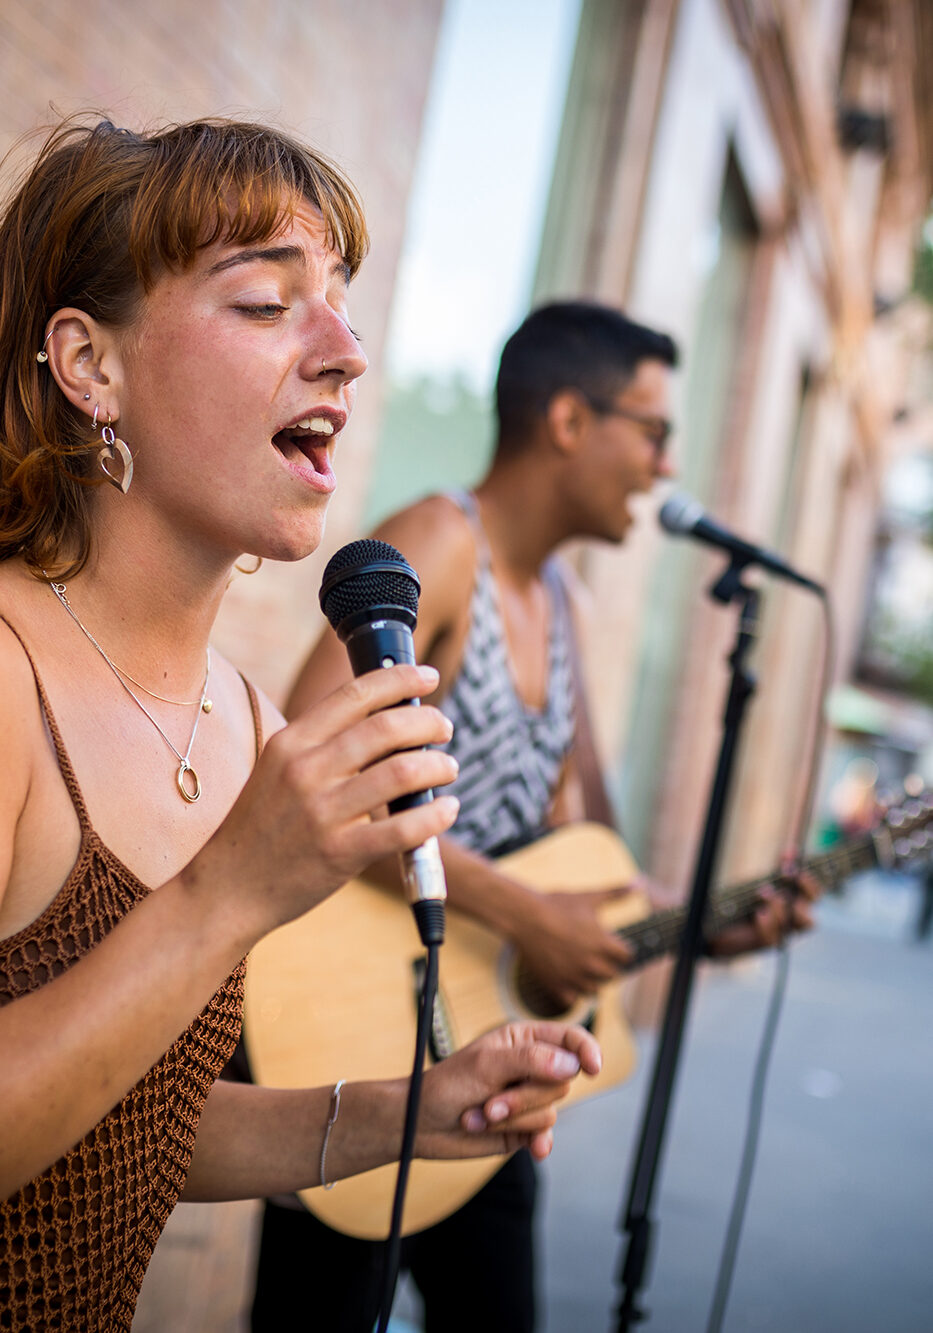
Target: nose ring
<point x="323" y="366"/>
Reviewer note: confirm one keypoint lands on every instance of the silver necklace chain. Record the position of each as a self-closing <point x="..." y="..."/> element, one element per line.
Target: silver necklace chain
<point x="192" y="793"/>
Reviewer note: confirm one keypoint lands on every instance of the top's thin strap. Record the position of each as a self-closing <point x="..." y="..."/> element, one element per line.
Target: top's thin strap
<point x="256" y="712"/>
<point x="596" y="798"/>
<point x="64" y="763"/>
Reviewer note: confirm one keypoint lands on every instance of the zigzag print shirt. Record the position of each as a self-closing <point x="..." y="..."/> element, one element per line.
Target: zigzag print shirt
<point x="510" y="756"/>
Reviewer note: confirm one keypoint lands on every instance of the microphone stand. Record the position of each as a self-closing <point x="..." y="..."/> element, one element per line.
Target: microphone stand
<point x="636" y="1221"/>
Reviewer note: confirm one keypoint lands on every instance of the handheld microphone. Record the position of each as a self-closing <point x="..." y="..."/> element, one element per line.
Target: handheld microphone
<point x="369" y="593"/>
<point x="686" y="517"/>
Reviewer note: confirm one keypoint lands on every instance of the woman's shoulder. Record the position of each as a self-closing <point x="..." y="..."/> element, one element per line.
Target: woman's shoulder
<point x="22" y="734"/>
<point x="19" y="699"/>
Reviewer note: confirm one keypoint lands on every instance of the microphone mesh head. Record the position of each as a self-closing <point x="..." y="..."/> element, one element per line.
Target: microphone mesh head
<point x="367" y="574"/>
<point x="680" y="513"/>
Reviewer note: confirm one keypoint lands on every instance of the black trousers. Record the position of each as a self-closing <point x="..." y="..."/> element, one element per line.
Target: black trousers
<point x="474" y="1270"/>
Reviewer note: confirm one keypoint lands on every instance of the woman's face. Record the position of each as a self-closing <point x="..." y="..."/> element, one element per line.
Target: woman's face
<point x="239" y="376"/>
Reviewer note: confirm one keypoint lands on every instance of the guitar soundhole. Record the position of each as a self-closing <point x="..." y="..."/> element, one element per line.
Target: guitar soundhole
<point x="537" y="1000"/>
<point x="535" y="997"/>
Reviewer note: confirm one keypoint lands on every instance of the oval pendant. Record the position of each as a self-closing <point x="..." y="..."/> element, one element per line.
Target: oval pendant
<point x="194" y="793"/>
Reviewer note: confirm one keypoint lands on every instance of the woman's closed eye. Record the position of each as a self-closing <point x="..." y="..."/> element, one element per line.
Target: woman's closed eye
<point x="266" y="310"/>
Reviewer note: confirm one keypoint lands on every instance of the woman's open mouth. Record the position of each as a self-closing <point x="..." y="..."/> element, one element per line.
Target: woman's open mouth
<point x="305" y="446"/>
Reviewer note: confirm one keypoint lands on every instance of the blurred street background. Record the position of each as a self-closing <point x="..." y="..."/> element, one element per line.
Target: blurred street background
<point x="838" y="1228"/>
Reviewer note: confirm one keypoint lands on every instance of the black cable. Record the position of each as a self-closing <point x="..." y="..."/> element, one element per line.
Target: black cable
<point x="394" y="1242"/>
<point x="750" y="1147"/>
<point x="800" y="824"/>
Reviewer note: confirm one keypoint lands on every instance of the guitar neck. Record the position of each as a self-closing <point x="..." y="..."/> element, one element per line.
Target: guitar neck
<point x="660" y="933"/>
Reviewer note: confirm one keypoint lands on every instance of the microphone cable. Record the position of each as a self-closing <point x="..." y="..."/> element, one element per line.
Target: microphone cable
<point x="425" y="1021"/>
<point x="800" y="824"/>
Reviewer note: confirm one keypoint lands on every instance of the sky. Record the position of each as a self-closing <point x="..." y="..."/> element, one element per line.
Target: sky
<point x="477" y="206"/>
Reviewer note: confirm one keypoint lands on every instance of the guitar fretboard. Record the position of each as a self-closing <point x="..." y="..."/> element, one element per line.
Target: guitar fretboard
<point x="660" y="933"/>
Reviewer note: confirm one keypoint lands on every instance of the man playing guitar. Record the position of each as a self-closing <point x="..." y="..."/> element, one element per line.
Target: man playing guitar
<point x="582" y="406"/>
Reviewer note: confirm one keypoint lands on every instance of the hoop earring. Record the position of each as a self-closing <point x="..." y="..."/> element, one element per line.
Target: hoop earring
<point x="110" y="451"/>
<point x="255" y="569"/>
<point x="42" y="355"/>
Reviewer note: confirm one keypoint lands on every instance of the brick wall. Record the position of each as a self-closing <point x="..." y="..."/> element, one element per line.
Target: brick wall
<point x="348" y="76"/>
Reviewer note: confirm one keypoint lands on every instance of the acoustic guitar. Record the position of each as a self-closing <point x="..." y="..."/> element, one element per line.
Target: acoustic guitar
<point x="334" y="994"/>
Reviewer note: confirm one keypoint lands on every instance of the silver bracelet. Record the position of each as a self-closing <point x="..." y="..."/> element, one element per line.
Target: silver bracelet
<point x="331" y="1121"/>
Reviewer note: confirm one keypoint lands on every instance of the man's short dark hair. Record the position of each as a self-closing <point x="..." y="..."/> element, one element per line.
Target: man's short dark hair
<point x="570" y="345"/>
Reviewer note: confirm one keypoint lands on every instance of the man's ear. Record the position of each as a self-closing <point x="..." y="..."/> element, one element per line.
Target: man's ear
<point x="85" y="359"/>
<point x="568" y="418"/>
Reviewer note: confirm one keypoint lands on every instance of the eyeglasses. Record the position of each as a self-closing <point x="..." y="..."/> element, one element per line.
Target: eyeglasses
<point x="657" y="429"/>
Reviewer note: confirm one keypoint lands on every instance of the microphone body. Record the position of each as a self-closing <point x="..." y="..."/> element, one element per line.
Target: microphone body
<point x="369" y="594"/>
<point x="683" y="516"/>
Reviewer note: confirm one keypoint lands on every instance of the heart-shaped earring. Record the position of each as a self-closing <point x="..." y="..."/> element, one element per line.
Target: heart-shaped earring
<point x="114" y="459"/>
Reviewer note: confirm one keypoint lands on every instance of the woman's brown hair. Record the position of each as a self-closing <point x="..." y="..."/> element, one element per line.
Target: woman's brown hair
<point x="102" y="212"/>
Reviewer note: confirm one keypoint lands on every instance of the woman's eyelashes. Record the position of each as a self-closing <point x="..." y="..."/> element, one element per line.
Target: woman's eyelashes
<point x="266" y="310"/>
<point x="273" y="309"/>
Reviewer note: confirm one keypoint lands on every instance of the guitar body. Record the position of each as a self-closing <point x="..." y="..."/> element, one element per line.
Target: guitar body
<point x="333" y="995"/>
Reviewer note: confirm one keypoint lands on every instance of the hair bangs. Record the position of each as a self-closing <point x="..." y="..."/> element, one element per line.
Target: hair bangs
<point x="238" y="184"/>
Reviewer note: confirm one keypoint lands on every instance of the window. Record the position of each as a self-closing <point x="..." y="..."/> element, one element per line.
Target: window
<point x="475" y="220"/>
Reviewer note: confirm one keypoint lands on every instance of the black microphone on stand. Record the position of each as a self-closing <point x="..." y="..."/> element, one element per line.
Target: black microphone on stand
<point x="369" y="593"/>
<point x="683" y="516"/>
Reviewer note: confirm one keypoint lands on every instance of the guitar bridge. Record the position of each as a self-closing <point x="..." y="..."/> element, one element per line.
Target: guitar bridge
<point x="441" y="1042"/>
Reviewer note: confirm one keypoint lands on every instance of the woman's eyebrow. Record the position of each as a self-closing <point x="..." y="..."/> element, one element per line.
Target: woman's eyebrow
<point x="273" y="254"/>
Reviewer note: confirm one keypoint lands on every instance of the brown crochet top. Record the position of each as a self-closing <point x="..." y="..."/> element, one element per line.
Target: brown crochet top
<point x="76" y="1241"/>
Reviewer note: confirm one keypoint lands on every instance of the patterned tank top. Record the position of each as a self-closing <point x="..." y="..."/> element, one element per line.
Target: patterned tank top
<point x="510" y="755"/>
<point x="75" y="1242"/>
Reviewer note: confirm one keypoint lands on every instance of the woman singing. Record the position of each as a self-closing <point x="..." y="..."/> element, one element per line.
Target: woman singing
<point x="177" y="367"/>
